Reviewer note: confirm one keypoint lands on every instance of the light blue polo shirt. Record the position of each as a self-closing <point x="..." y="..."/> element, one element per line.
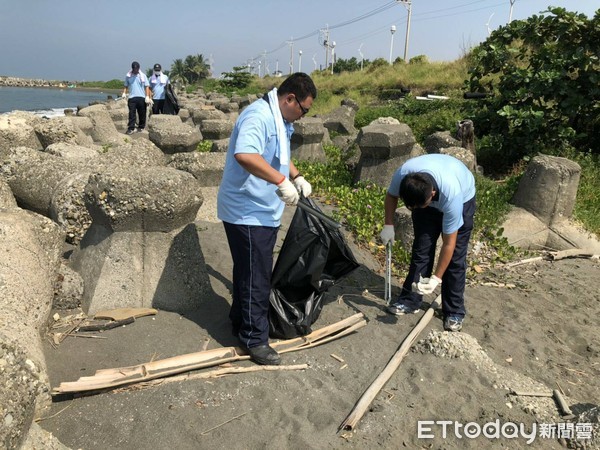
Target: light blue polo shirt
<point x="244" y="199"/>
<point x="158" y="88"/>
<point x="456" y="185"/>
<point x="136" y="84"/>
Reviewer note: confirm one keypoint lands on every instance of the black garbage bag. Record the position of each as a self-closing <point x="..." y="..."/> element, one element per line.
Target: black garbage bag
<point x="171" y="105"/>
<point x="313" y="257"/>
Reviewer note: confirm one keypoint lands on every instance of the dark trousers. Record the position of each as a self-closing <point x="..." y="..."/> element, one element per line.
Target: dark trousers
<point x="427" y="225"/>
<point x="158" y="106"/>
<point x="252" y="253"/>
<point x="136" y="105"/>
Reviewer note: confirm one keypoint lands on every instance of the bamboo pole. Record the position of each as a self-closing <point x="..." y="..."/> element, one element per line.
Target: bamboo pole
<point x="363" y="403"/>
<point x="107" y="378"/>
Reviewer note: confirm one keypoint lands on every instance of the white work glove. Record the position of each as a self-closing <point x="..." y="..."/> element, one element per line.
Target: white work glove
<point x="149" y="101"/>
<point x="302" y="185"/>
<point x="388" y="234"/>
<point x="287" y="192"/>
<point x="426" y="285"/>
<point x="124" y="95"/>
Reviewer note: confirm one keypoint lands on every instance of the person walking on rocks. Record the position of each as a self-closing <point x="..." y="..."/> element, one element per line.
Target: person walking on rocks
<point x="439" y="190"/>
<point x="158" y="84"/>
<point x="137" y="92"/>
<point x="258" y="180"/>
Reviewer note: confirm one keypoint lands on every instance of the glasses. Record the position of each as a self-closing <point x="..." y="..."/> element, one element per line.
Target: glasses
<point x="304" y="110"/>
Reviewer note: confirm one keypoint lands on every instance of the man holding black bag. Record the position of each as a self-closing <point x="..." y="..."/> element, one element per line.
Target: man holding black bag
<point x="258" y="179"/>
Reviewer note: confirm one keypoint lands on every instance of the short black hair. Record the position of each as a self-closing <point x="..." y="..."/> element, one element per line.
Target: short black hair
<point x="299" y="84"/>
<point x="415" y="189"/>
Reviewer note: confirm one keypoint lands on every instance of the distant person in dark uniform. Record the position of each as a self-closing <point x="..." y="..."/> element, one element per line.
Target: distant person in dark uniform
<point x="137" y="92"/>
<point x="158" y="84"/>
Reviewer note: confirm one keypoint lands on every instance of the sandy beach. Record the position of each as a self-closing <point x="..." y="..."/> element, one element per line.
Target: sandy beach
<point x="532" y="327"/>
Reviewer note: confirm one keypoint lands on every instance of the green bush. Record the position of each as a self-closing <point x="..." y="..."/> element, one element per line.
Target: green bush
<point x="204" y="146"/>
<point x="543" y="76"/>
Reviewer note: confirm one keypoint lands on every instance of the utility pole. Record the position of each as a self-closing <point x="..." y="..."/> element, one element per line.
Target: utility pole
<point x="325" y="33"/>
<point x="361" y="57"/>
<point x="291" y="44"/>
<point x="408" y="5"/>
<point x="512" y="2"/>
<point x="392" y="30"/>
<point x="299" y="60"/>
<point x="265" y="62"/>
<point x="332" y="56"/>
<point x="315" y="60"/>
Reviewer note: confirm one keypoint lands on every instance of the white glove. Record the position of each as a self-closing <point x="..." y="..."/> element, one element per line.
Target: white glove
<point x="124" y="95"/>
<point x="287" y="192"/>
<point x="302" y="185"/>
<point x="426" y="285"/>
<point x="388" y="234"/>
<point x="149" y="101"/>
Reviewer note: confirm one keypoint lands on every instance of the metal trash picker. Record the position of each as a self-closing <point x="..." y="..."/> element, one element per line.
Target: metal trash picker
<point x="388" y="274"/>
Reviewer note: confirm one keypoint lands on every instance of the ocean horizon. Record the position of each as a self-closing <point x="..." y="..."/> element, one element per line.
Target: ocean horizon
<point x="48" y="101"/>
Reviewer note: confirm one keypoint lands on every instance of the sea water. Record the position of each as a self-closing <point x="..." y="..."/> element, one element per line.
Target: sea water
<point x="48" y="101"/>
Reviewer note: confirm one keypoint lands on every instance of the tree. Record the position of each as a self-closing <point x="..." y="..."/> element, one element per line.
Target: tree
<point x="238" y="79"/>
<point x="346" y="65"/>
<point x="178" y="71"/>
<point x="543" y="77"/>
<point x="192" y="70"/>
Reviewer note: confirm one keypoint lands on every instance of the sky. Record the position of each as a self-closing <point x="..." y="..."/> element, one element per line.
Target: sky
<point x="81" y="40"/>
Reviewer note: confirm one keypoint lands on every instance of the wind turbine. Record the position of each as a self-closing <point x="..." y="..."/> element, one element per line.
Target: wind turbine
<point x="488" y="24"/>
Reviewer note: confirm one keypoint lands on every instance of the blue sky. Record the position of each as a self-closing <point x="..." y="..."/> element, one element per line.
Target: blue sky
<point x="84" y="40"/>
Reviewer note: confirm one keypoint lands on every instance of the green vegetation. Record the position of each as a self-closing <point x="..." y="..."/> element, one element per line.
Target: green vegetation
<point x="190" y="71"/>
<point x="543" y="77"/>
<point x="204" y="146"/>
<point x="112" y="84"/>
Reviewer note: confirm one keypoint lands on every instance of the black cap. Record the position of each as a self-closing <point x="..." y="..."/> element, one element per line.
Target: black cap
<point x="157" y="67"/>
<point x="135" y="65"/>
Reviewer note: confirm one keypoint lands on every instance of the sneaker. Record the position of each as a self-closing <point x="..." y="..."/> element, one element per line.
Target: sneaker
<point x="399" y="309"/>
<point x="129" y="132"/>
<point x="264" y="355"/>
<point x="139" y="130"/>
<point x="453" y="323"/>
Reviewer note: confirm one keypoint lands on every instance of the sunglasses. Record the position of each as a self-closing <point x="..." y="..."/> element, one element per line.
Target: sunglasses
<point x="304" y="110"/>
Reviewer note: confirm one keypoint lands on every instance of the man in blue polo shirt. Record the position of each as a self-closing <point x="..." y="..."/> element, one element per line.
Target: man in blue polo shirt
<point x="258" y="179"/>
<point x="440" y="192"/>
<point x="137" y="92"/>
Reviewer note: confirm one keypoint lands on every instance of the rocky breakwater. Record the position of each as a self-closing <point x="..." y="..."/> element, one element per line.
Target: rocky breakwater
<point x="72" y="178"/>
<point x="31" y="82"/>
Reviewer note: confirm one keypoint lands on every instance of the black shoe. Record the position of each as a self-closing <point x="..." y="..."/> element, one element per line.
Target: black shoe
<point x="139" y="130"/>
<point x="264" y="355"/>
<point x="129" y="132"/>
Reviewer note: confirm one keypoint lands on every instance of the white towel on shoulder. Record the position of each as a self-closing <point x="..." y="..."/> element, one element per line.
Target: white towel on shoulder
<point x="140" y="75"/>
<point x="283" y="148"/>
<point x="162" y="79"/>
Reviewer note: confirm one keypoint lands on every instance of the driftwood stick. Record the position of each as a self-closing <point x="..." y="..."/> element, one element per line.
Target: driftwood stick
<point x="221" y="424"/>
<point x="107" y="325"/>
<point x="565" y="411"/>
<point x="363" y="403"/>
<point x="571" y="253"/>
<point x="106" y="378"/>
<point x="532" y="393"/>
<point x="524" y="261"/>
